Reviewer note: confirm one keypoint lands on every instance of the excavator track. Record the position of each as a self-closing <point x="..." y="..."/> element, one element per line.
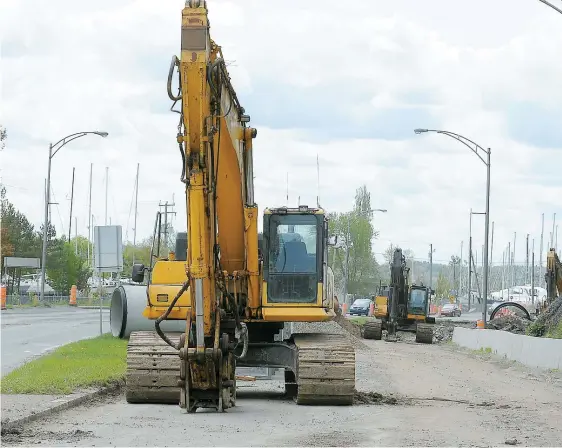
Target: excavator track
<point x="153" y="369"/>
<point x="325" y="369"/>
<point x="424" y="333"/>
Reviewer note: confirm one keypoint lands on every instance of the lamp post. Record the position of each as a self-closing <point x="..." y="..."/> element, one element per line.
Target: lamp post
<point x="470" y="256"/>
<point x="476" y="149"/>
<point x="347" y="246"/>
<point x="53" y="149"/>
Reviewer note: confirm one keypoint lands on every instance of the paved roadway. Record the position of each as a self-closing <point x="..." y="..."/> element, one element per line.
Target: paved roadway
<point x="29" y="332"/>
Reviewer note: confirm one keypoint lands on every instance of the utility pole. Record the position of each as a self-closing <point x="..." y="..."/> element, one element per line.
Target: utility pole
<point x="431" y="266"/>
<point x="541" y="248"/>
<point x="71" y="203"/>
<point x="347" y="243"/>
<point x="136" y="212"/>
<point x="527" y="260"/>
<point x="90" y="216"/>
<point x="106" y="190"/>
<point x="508" y="281"/>
<point x="553" y="230"/>
<point x="491" y="250"/>
<point x="503" y="271"/>
<point x="166" y="213"/>
<point x="514" y="267"/>
<point x="460" y="272"/>
<point x="532" y="276"/>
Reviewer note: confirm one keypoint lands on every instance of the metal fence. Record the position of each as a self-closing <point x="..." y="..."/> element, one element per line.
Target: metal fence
<point x="55" y="300"/>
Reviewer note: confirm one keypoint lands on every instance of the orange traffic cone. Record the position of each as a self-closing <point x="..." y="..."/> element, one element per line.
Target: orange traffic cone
<point x="3" y="297"/>
<point x="72" y="301"/>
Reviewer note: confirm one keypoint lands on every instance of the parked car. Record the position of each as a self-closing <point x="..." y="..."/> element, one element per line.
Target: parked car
<point x="360" y="307"/>
<point x="451" y="309"/>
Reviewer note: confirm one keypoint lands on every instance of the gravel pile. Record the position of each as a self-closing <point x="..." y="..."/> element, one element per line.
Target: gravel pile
<point x="549" y="320"/>
<point x="332" y="327"/>
<point x="511" y="323"/>
<point x="443" y="333"/>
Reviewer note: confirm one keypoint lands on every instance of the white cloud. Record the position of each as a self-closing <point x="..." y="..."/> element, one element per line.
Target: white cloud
<point x="352" y="81"/>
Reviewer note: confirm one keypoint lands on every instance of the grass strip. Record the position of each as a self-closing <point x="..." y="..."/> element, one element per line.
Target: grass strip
<point x="99" y="361"/>
<point x="360" y="320"/>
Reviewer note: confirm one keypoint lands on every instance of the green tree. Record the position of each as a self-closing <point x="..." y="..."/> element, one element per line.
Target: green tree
<point x="140" y="253"/>
<point x="454" y="269"/>
<point x="355" y="233"/>
<point x="443" y="286"/>
<point x="3" y="137"/>
<point x="65" y="268"/>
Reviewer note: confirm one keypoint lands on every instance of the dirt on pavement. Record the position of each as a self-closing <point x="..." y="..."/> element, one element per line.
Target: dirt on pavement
<point x="408" y="394"/>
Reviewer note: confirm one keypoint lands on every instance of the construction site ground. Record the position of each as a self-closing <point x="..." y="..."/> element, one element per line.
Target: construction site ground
<point x="408" y="394"/>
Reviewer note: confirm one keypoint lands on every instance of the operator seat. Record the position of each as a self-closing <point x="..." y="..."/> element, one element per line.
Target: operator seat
<point x="296" y="257"/>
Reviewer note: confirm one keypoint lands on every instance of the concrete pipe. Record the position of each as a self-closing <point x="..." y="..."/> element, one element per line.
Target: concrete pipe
<point x="125" y="315"/>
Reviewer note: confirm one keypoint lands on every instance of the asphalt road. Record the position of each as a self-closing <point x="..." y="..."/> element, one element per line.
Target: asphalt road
<point x="30" y="332"/>
<point x="444" y="397"/>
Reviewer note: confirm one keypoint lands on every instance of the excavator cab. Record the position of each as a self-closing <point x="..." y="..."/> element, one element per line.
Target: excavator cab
<point x="418" y="302"/>
<point x="294" y="251"/>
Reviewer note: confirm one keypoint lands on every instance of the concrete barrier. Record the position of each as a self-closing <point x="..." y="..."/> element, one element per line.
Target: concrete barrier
<point x="545" y="353"/>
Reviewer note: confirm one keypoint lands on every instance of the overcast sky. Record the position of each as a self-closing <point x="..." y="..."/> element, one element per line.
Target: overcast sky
<point x="346" y="82"/>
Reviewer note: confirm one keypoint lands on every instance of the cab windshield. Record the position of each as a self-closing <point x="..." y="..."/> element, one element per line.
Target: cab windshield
<point x="293" y="261"/>
<point x="417" y="300"/>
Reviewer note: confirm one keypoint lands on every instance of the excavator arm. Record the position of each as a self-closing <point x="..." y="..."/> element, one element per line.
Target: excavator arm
<point x="553" y="276"/>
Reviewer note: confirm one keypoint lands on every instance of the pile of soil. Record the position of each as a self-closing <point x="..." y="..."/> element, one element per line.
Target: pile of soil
<point x="510" y="322"/>
<point x="549" y="321"/>
<point x="443" y="333"/>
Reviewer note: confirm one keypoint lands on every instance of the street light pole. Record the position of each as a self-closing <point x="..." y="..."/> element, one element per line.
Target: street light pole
<point x="476" y="149"/>
<point x="56" y="147"/>
<point x="551" y="5"/>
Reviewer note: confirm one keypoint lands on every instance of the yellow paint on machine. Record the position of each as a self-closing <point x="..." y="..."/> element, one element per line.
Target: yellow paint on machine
<point x="296" y="314"/>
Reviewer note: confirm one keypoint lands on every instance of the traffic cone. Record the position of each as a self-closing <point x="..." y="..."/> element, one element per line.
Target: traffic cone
<point x="3" y="297"/>
<point x="72" y="301"/>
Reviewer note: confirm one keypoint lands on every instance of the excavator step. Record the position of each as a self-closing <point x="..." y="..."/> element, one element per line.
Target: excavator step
<point x="153" y="369"/>
<point x="326" y="369"/>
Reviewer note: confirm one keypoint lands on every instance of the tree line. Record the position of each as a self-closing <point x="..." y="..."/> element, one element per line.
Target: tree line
<point x="67" y="260"/>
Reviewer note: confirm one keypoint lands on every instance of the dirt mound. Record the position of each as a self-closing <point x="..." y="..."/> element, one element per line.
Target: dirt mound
<point x="443" y="333"/>
<point x="348" y="326"/>
<point x="373" y="398"/>
<point x="549" y="321"/>
<point x="511" y="323"/>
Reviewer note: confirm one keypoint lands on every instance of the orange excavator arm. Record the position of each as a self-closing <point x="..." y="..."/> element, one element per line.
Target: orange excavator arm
<point x="553" y="275"/>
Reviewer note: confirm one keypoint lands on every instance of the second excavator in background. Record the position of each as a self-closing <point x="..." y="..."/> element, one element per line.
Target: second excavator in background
<point x="553" y="276"/>
<point x="401" y="306"/>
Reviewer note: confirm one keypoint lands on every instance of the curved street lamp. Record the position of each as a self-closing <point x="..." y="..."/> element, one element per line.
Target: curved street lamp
<point x="476" y="149"/>
<point x="56" y="147"/>
<point x="551" y="5"/>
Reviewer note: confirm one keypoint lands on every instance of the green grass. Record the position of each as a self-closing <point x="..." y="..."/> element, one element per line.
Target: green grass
<point x="359" y="320"/>
<point x="555" y="333"/>
<point x="98" y="361"/>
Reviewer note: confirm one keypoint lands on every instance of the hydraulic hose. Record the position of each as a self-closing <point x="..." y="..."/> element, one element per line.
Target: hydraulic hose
<point x="173" y="64"/>
<point x="165" y="338"/>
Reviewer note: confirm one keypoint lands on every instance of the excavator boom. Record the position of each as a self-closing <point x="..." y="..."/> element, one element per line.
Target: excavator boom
<point x="553" y="276"/>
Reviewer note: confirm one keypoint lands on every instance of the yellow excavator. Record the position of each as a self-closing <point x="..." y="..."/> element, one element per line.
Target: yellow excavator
<point x="553" y="276"/>
<point x="234" y="292"/>
<point x="401" y="306"/>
